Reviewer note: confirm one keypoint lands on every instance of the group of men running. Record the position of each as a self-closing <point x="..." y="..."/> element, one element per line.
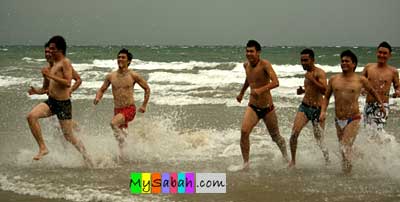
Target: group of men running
<point x="376" y="80"/>
<point x="57" y="76"/>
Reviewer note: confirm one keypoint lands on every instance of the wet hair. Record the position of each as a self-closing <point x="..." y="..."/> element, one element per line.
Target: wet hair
<point x="351" y="55"/>
<point x="125" y="51"/>
<point x="308" y="52"/>
<point x="60" y="43"/>
<point x="253" y="43"/>
<point x="385" y="45"/>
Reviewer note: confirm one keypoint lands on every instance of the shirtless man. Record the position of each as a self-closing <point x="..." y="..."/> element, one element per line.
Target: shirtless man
<point x="58" y="80"/>
<point x="123" y="81"/>
<point x="346" y="88"/>
<point x="45" y="86"/>
<point x="380" y="75"/>
<point x="310" y="107"/>
<point x="262" y="79"/>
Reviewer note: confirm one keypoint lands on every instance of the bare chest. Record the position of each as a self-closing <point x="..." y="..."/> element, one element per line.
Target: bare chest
<point x="57" y="70"/>
<point x="346" y="87"/>
<point x="256" y="75"/>
<point x="122" y="81"/>
<point x="380" y="77"/>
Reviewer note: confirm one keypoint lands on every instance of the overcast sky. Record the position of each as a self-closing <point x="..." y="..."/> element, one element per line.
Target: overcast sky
<point x="201" y="22"/>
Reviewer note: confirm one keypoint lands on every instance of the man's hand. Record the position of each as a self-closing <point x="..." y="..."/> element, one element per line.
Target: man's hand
<point x="32" y="91"/>
<point x="396" y="94"/>
<point x="239" y="98"/>
<point x="300" y="90"/>
<point x="383" y="110"/>
<point x="255" y="92"/>
<point x="142" y="109"/>
<point x="96" y="101"/>
<point x="322" y="116"/>
<point x="45" y="72"/>
<point x="309" y="76"/>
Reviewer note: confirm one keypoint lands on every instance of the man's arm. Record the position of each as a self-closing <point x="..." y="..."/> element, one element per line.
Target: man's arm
<point x="396" y="83"/>
<point x="67" y="74"/>
<point x="102" y="89"/>
<point x="372" y="92"/>
<point x="274" y="80"/>
<point x="239" y="98"/>
<point x="77" y="78"/>
<point x="43" y="90"/>
<point x="364" y="73"/>
<point x="142" y="83"/>
<point x="325" y="101"/>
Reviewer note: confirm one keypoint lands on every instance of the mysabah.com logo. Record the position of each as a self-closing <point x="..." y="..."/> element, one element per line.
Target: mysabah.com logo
<point x="177" y="183"/>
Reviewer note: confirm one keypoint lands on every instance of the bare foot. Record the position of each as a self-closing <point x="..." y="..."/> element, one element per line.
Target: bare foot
<point x="246" y="166"/>
<point x="89" y="162"/>
<point x="292" y="164"/>
<point x="41" y="153"/>
<point x="236" y="168"/>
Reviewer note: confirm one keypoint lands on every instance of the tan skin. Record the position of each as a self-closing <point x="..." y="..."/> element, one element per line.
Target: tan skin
<point x="45" y="86"/>
<point x="123" y="81"/>
<point x="261" y="78"/>
<point x="381" y="76"/>
<point x="346" y="88"/>
<point x="314" y="89"/>
<point x="58" y="78"/>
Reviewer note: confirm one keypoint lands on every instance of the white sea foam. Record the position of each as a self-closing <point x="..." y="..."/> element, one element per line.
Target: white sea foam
<point x="150" y="65"/>
<point x="6" y="81"/>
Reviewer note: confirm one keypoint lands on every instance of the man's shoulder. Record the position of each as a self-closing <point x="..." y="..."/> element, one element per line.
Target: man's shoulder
<point x="265" y="62"/>
<point x="335" y="77"/>
<point x="370" y="66"/>
<point x="393" y="69"/>
<point x="66" y="60"/>
<point x="320" y="70"/>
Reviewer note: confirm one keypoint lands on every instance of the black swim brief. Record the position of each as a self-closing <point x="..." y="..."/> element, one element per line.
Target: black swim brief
<point x="61" y="108"/>
<point x="261" y="112"/>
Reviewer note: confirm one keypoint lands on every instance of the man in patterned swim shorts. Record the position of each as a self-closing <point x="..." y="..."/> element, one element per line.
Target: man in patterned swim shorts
<point x="380" y="75"/>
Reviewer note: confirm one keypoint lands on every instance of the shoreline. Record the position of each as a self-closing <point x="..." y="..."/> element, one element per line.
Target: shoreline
<point x="10" y="196"/>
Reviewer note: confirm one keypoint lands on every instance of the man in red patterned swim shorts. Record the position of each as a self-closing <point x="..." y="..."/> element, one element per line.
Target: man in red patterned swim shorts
<point x="123" y="81"/>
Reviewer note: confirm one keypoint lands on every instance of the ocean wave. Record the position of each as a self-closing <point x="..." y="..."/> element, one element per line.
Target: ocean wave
<point x="6" y="81"/>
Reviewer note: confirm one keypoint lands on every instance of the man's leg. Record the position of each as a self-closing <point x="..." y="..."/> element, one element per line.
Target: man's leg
<point x="250" y="120"/>
<point x="66" y="127"/>
<point x="299" y="122"/>
<point x="318" y="129"/>
<point x="119" y="134"/>
<point x="271" y="121"/>
<point x="41" y="110"/>
<point x="346" y="140"/>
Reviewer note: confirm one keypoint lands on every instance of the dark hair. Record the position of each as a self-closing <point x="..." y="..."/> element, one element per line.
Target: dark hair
<point x="309" y="52"/>
<point x="385" y="45"/>
<point x="350" y="54"/>
<point x="60" y="43"/>
<point x="253" y="43"/>
<point x="125" y="51"/>
<point x="46" y="45"/>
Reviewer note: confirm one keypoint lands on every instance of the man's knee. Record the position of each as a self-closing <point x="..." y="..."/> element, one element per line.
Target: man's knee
<point x="277" y="138"/>
<point x="31" y="117"/>
<point x="68" y="137"/>
<point x="113" y="125"/>
<point x="294" y="136"/>
<point x="245" y="131"/>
